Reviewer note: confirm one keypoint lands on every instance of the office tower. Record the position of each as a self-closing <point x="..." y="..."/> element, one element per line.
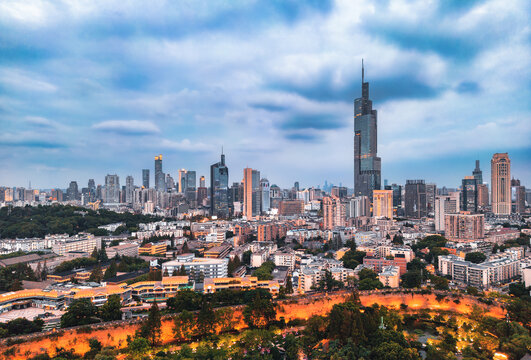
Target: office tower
<point x="483" y="197"/>
<point x="72" y="192"/>
<point x="333" y="212"/>
<point x="339" y="191"/>
<point x="478" y="174"/>
<point x="382" y="204"/>
<point x="397" y="194"/>
<point x="469" y="194"/>
<point x="129" y="189"/>
<point x="251" y="193"/>
<point x="296" y="186"/>
<point x="264" y="186"/>
<point x="464" y="227"/>
<point x="501" y="184"/>
<point x="160" y="181"/>
<point x="112" y="189"/>
<point x="170" y="183"/>
<point x="219" y="189"/>
<point x="202" y="182"/>
<point x="91" y="184"/>
<point x="415" y="204"/>
<point x="359" y="206"/>
<point x="190" y="188"/>
<point x="145" y="178"/>
<point x="367" y="165"/>
<point x="181" y="180"/>
<point x="431" y="191"/>
<point x="517" y="197"/>
<point x="445" y="204"/>
<point x="201" y="195"/>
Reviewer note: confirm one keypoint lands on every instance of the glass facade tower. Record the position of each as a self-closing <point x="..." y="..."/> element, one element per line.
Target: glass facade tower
<point x="367" y="165"/>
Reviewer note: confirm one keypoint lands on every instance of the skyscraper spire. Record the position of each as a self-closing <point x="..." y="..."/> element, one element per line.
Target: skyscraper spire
<point x="362" y="72"/>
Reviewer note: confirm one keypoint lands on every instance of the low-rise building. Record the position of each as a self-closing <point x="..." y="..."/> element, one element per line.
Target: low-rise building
<point x="197" y="268"/>
<point x="130" y="250"/>
<point x="149" y="291"/>
<point x="153" y="249"/>
<point x="240" y="283"/>
<point x="390" y="276"/>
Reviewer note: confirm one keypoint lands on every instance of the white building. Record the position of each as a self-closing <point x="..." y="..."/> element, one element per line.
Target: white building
<point x="198" y="267"/>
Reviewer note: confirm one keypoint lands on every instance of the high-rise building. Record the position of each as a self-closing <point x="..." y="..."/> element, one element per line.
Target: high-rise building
<point x="397" y="194"/>
<point x="190" y="188"/>
<point x="170" y="183"/>
<point x="251" y="193"/>
<point x="202" y="182"/>
<point x="112" y="189"/>
<point x="359" y="206"/>
<point x="478" y="174"/>
<point x="431" y="192"/>
<point x="181" y="180"/>
<point x="483" y="197"/>
<point x="264" y="186"/>
<point x="160" y="179"/>
<point x="367" y="165"/>
<point x="382" y="204"/>
<point x="469" y="194"/>
<point x="415" y="204"/>
<point x="72" y="193"/>
<point x="501" y="184"/>
<point x="445" y="204"/>
<point x="129" y="189"/>
<point x="464" y="226"/>
<point x="517" y="197"/>
<point x="145" y="178"/>
<point x="333" y="212"/>
<point x="219" y="189"/>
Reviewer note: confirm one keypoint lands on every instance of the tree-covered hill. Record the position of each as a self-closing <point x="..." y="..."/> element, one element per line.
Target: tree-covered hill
<point x="38" y="221"/>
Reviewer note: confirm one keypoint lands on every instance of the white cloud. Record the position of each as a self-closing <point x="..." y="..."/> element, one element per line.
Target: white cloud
<point x="128" y="127"/>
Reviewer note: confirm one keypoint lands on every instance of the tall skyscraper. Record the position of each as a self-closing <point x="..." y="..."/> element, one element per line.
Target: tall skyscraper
<point x="367" y="165"/>
<point x="129" y="189"/>
<point x="469" y="194"/>
<point x="160" y="179"/>
<point x="501" y="184"/>
<point x="72" y="193"/>
<point x="478" y="174"/>
<point x="219" y="189"/>
<point x="264" y="185"/>
<point x="415" y="204"/>
<point x="251" y="193"/>
<point x="190" y="189"/>
<point x="145" y="178"/>
<point x="202" y="182"/>
<point x="181" y="180"/>
<point x="112" y="189"/>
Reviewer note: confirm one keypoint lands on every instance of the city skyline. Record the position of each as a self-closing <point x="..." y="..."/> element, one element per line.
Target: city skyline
<point x="127" y="92"/>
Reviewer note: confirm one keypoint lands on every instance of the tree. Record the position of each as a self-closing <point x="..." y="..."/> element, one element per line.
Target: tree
<point x="234" y="264"/>
<point x="246" y="257"/>
<point x="398" y="239"/>
<point x="94" y="253"/>
<point x="183" y="325"/>
<point x="80" y="312"/>
<point x="259" y="313"/>
<point x="182" y="271"/>
<point x="97" y="274"/>
<point x="206" y="319"/>
<point x="470" y="290"/>
<point x="151" y="328"/>
<point x="518" y="289"/>
<point x="111" y="310"/>
<point x="111" y="271"/>
<point x="353" y="258"/>
<point x="155" y="275"/>
<point x="411" y="279"/>
<point x="289" y="286"/>
<point x="138" y="346"/>
<point x="476" y="257"/>
<point x="439" y="283"/>
<point x="264" y="271"/>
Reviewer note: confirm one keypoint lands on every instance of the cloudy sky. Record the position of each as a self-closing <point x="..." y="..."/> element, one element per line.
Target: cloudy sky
<point x="95" y="87"/>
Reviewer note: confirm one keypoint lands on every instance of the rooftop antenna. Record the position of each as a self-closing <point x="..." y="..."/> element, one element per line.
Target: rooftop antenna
<point x="362" y="71"/>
